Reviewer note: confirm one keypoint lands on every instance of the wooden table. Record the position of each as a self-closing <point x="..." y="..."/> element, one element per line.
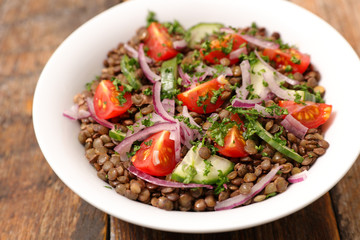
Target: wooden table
<point x="35" y="204"/>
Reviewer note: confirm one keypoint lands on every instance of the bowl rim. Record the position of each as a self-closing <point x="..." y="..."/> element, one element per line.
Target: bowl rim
<point x="188" y="227"/>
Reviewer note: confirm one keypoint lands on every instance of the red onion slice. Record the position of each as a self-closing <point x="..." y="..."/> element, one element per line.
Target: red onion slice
<point x="138" y="126"/>
<point x="210" y="71"/>
<point x="125" y="146"/>
<point x="242" y="92"/>
<point x="187" y="80"/>
<point x="299" y="177"/>
<point x="160" y="182"/>
<point x="275" y="88"/>
<point x="241" y="199"/>
<point x="133" y="53"/>
<point x="180" y="44"/>
<point x="169" y="106"/>
<point x="294" y="126"/>
<point x="237" y="53"/>
<point x="105" y="123"/>
<point x="278" y="74"/>
<point x="158" y="106"/>
<point x="75" y="114"/>
<point x="260" y="42"/>
<point x="145" y="67"/>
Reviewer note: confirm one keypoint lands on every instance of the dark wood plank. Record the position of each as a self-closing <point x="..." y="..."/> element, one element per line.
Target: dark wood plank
<point x="308" y="223"/>
<point x="344" y="17"/>
<point x="34" y="203"/>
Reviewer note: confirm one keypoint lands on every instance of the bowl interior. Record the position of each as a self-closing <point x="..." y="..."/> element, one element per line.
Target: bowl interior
<point x="79" y="59"/>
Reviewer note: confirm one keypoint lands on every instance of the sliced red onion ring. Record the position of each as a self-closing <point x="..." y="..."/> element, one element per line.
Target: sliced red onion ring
<point x="299" y="177"/>
<point x="180" y="44"/>
<point x="294" y="126"/>
<point x="241" y="199"/>
<point x="125" y="146"/>
<point x="210" y="71"/>
<point x="133" y="53"/>
<point x="260" y="42"/>
<point x="145" y="67"/>
<point x="160" y="182"/>
<point x="275" y="88"/>
<point x="169" y="106"/>
<point x="75" y="114"/>
<point x="278" y="74"/>
<point x="158" y="106"/>
<point x="138" y="126"/>
<point x="252" y="39"/>
<point x="242" y="92"/>
<point x="105" y="123"/>
<point x="187" y="80"/>
<point x="240" y="103"/>
<point x="237" y="53"/>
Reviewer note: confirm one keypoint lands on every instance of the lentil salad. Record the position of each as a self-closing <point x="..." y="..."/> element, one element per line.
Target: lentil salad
<point x="229" y="102"/>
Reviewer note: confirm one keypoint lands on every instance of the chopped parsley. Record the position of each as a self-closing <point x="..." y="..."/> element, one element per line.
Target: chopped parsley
<point x="228" y="48"/>
<point x="151" y="17"/>
<point x="208" y="166"/>
<point x="147" y="122"/>
<point x="277" y="136"/>
<point x="135" y="147"/>
<point x="220" y="182"/>
<point x="174" y="28"/>
<point x="148" y="92"/>
<point x="148" y="143"/>
<point x="216" y="95"/>
<point x="295" y="60"/>
<point x="190" y="172"/>
<point x="288" y="68"/>
<point x="218" y="130"/>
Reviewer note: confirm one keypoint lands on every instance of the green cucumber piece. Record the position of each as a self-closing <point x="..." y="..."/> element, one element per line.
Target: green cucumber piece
<point x="192" y="161"/>
<point x="169" y="76"/>
<point x="199" y="31"/>
<point x="128" y="69"/>
<point x="257" y="80"/>
<point x="267" y="137"/>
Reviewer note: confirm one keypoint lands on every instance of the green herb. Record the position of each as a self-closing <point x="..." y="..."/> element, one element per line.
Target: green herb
<point x="228" y="48"/>
<point x="318" y="98"/>
<point x="295" y="60"/>
<point x="148" y="92"/>
<point x="222" y="179"/>
<point x="190" y="173"/>
<point x="151" y="17"/>
<point x="288" y="68"/>
<point x="135" y="148"/>
<point x="277" y="136"/>
<point x="216" y="95"/>
<point x="201" y="100"/>
<point x="148" y="143"/>
<point x="108" y="187"/>
<point x="131" y="128"/>
<point x="275" y="109"/>
<point x="270" y="195"/>
<point x="174" y="28"/>
<point x="251" y="58"/>
<point x="147" y="122"/>
<point x="282" y="45"/>
<point x="186" y="120"/>
<point x="265" y="84"/>
<point x="206" y="47"/>
<point x="208" y="166"/>
<point x="117" y="134"/>
<point x="88" y="85"/>
<point x="218" y="130"/>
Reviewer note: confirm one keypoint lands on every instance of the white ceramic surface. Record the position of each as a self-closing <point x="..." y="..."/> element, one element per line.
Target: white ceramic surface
<point x="79" y="58"/>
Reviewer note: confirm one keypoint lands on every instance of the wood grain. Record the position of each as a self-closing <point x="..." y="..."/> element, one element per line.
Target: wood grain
<point x="35" y="204"/>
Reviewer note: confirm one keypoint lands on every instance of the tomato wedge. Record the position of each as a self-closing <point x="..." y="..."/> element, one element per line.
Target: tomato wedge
<point x="221" y="48"/>
<point x="159" y="43"/>
<point x="234" y="144"/>
<point x="283" y="57"/>
<point x="105" y="102"/>
<point x="311" y="116"/>
<point x="156" y="155"/>
<point x="198" y="99"/>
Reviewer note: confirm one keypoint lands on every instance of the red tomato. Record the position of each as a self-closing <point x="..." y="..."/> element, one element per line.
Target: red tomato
<point x="198" y="98"/>
<point x="298" y="61"/>
<point x="105" y="102"/>
<point x="156" y="155"/>
<point x="233" y="144"/>
<point x="159" y="43"/>
<point x="216" y="53"/>
<point x="311" y="116"/>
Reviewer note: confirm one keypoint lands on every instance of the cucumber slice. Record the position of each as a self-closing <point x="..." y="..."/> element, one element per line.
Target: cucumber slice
<point x="199" y="31"/>
<point x="192" y="161"/>
<point x="267" y="137"/>
<point x="257" y="80"/>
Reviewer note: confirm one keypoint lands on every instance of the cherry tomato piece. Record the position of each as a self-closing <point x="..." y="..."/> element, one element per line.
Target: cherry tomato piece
<point x="198" y="99"/>
<point x="221" y="48"/>
<point x="283" y="57"/>
<point x="311" y="116"/>
<point x="159" y="43"/>
<point x="106" y="103"/>
<point x="234" y="144"/>
<point x="156" y="155"/>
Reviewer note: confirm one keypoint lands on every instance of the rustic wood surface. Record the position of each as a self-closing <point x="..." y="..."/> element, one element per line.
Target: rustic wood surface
<point x="35" y="204"/>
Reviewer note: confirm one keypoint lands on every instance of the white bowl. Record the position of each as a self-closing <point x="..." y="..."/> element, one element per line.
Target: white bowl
<point x="79" y="59"/>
